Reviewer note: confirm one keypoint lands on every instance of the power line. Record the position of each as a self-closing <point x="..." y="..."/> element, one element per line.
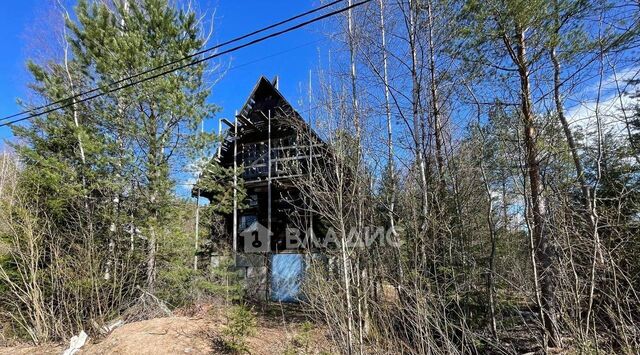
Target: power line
<point x="206" y="50"/>
<point x="255" y="41"/>
<point x="254" y="61"/>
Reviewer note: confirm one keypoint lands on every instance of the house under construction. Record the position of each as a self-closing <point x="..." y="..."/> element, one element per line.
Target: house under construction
<point x="270" y="147"/>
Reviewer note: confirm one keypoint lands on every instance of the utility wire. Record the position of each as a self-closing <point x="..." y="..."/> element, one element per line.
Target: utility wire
<point x="258" y="40"/>
<point x="206" y="50"/>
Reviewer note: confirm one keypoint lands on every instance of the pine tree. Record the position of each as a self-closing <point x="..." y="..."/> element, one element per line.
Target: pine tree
<point x="103" y="172"/>
<point x="514" y="36"/>
<point x="155" y="122"/>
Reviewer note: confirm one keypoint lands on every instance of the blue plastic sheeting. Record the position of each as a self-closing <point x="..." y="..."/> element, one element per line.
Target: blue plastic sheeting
<point x="286" y="277"/>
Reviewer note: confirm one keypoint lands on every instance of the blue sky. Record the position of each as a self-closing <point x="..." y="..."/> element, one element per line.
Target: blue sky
<point x="290" y="56"/>
<point x="14" y="18"/>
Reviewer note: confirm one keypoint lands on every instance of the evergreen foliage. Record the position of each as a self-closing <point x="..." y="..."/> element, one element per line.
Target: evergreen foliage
<point x="98" y="178"/>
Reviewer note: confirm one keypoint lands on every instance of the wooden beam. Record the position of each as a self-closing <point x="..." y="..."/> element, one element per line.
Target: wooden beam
<point x="195" y="253"/>
<point x="269" y="172"/>
<point x="246" y="121"/>
<point x="225" y="121"/>
<point x="221" y="142"/>
<point x="235" y="190"/>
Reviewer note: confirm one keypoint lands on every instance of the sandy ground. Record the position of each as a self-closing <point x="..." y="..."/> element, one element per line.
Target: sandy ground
<point x="194" y="334"/>
<point x="172" y="335"/>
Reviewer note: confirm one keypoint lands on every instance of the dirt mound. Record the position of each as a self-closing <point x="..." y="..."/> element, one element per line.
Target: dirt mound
<point x="172" y="335"/>
<point x="195" y="332"/>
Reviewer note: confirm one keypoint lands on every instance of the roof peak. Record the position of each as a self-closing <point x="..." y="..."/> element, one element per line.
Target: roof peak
<point x="263" y="84"/>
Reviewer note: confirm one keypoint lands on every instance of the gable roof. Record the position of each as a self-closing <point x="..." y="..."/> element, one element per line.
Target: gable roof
<point x="265" y="97"/>
<point x="264" y="100"/>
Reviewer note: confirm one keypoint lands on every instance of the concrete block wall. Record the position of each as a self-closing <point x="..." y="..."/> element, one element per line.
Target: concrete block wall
<point x="254" y="271"/>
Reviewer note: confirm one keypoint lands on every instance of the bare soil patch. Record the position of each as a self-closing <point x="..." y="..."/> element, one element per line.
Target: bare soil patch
<point x="194" y="331"/>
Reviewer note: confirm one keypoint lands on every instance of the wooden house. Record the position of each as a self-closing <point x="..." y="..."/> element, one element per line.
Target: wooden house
<point x="270" y="147"/>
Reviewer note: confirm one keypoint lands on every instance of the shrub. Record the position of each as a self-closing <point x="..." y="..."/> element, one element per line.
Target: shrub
<point x="241" y="323"/>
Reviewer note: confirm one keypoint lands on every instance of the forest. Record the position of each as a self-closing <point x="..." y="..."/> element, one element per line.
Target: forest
<point x="497" y="141"/>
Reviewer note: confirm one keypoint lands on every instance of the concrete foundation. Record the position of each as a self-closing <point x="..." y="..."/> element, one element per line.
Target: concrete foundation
<point x="254" y="271"/>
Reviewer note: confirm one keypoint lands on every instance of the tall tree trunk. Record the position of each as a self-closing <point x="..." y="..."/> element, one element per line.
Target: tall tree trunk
<point x="492" y="256"/>
<point x="353" y="77"/>
<point x="435" y="106"/>
<point x="439" y="233"/>
<point x="346" y="262"/>
<point x="543" y="249"/>
<point x="390" y="165"/>
<point x="491" y="224"/>
<point x="363" y="323"/>
<point x="154" y="176"/>
<point x="590" y="211"/>
<point x="151" y="260"/>
<point x="418" y="135"/>
<point x="74" y="107"/>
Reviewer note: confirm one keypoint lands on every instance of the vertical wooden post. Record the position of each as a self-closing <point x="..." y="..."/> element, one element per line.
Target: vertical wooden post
<point x="221" y="137"/>
<point x="235" y="185"/>
<point x="195" y="256"/>
<point x="267" y="258"/>
<point x="269" y="171"/>
<point x="219" y="154"/>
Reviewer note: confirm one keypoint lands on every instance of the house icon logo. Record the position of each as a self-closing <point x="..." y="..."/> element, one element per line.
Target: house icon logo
<point x="256" y="238"/>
